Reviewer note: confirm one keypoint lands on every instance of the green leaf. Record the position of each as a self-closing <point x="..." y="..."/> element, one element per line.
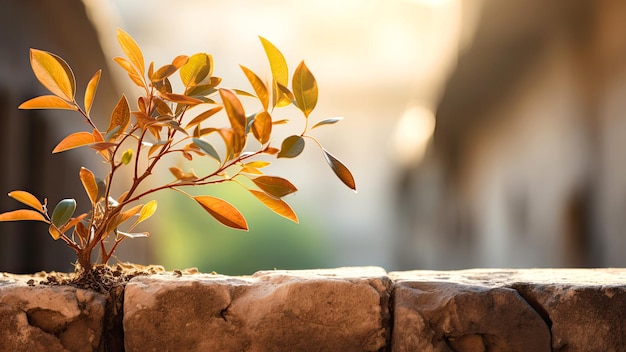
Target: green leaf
<point x="22" y="214"/>
<point x="291" y="147"/>
<point x="53" y="73"/>
<point x="278" y="206"/>
<point x="328" y="121"/>
<point x="340" y="170"/>
<point x="127" y="156"/>
<point x="223" y="212"/>
<point x="63" y="212"/>
<point x="277" y="187"/>
<point x="207" y="148"/>
<point x="304" y="89"/>
<point x="27" y="198"/>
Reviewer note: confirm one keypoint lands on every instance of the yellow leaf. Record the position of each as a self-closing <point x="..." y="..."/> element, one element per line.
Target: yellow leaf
<point x="120" y="117"/>
<point x="47" y="102"/>
<point x="53" y="73"/>
<point x="74" y="140"/>
<point x="259" y="87"/>
<point x="90" y="92"/>
<point x="258" y="164"/>
<point x="89" y="182"/>
<point x="304" y="89"/>
<point x="23" y="214"/>
<point x="196" y="69"/>
<point x="223" y="212"/>
<point x="132" y="51"/>
<point x="27" y="198"/>
<point x="278" y="64"/>
<point x="147" y="211"/>
<point x="278" y="206"/>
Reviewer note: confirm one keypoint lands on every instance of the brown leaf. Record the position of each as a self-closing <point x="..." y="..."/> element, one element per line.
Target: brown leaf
<point x="120" y="117"/>
<point x="340" y="170"/>
<point x="276" y="186"/>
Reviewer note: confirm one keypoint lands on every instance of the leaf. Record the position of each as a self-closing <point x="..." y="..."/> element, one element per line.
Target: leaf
<point x="304" y="89"/>
<point x="181" y="99"/>
<point x="63" y="212"/>
<point x="259" y="87"/>
<point x="291" y="147"/>
<point x="170" y="69"/>
<point x="146" y="211"/>
<point x="74" y="140"/>
<point x="73" y="222"/>
<point x="132" y="51"/>
<point x="46" y="102"/>
<point x="90" y="91"/>
<point x="223" y="212"/>
<point x="132" y="72"/>
<point x="23" y="214"/>
<point x="237" y="118"/>
<point x="183" y="176"/>
<point x="53" y="73"/>
<point x="27" y="198"/>
<point x="89" y="182"/>
<point x="127" y="156"/>
<point x="203" y="116"/>
<point x="120" y="118"/>
<point x="328" y="121"/>
<point x="262" y="127"/>
<point x="257" y="164"/>
<point x="278" y="206"/>
<point x="54" y="232"/>
<point x="340" y="170"/>
<point x="207" y="148"/>
<point x="198" y="67"/>
<point x="278" y="64"/>
<point x="276" y="186"/>
<point x="133" y="235"/>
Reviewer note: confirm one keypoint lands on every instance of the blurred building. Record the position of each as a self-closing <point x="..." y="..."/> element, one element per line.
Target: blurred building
<point x="526" y="166"/>
<point x="27" y="137"/>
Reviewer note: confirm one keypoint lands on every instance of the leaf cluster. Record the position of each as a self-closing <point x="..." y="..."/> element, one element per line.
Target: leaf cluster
<point x="163" y="122"/>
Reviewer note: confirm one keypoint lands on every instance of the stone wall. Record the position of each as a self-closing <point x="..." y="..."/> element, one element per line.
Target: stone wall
<point x="345" y="309"/>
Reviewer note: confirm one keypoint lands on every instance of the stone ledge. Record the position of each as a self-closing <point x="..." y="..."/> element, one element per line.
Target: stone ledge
<point x="344" y="309"/>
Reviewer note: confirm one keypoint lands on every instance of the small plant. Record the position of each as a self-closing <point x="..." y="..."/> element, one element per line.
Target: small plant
<point x="167" y="123"/>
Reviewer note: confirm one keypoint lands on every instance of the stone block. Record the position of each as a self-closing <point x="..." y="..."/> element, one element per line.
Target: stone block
<point x="49" y="318"/>
<point x="315" y="310"/>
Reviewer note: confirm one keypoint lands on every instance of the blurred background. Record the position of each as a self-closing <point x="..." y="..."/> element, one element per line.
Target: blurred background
<point x="480" y="133"/>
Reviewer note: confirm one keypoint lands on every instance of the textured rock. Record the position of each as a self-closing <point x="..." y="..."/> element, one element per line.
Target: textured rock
<point x="49" y="318"/>
<point x="317" y="310"/>
<point x="498" y="310"/>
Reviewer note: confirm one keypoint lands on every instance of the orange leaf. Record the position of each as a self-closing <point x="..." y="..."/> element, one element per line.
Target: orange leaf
<point x="262" y="127"/>
<point x="90" y="92"/>
<point x="90" y="184"/>
<point x="182" y="99"/>
<point x="203" y="116"/>
<point x="276" y="186"/>
<point x="47" y="102"/>
<point x="23" y="214"/>
<point x="119" y="117"/>
<point x="132" y="51"/>
<point x="53" y="73"/>
<point x="74" y="140"/>
<point x="223" y="212"/>
<point x="278" y="206"/>
<point x="132" y="72"/>
<point x="259" y="87"/>
<point x="27" y="198"/>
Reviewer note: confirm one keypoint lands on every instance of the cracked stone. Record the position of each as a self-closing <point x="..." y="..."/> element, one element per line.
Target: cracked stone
<point x="316" y="310"/>
<point x="49" y="318"/>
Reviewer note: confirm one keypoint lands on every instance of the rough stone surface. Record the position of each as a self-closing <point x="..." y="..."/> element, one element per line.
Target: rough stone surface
<point x="49" y="318"/>
<point x="317" y="310"/>
<point x="510" y="310"/>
